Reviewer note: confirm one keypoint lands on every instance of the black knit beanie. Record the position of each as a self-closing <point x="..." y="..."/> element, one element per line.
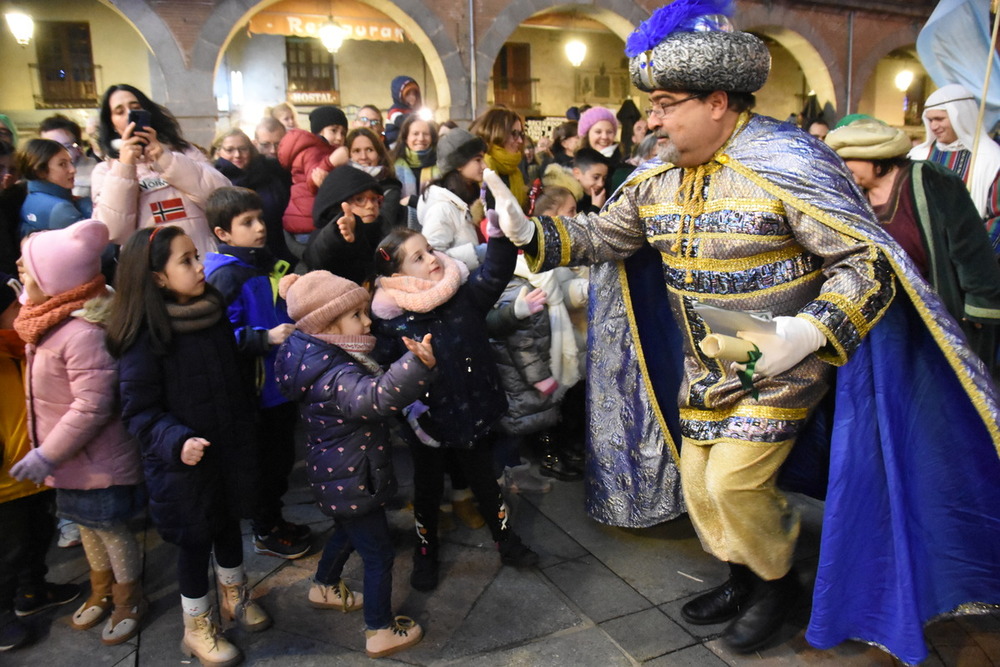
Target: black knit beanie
<point x="321" y="117"/>
<point x="342" y="184"/>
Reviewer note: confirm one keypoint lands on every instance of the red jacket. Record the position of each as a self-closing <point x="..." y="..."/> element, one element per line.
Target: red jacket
<point x="300" y="152"/>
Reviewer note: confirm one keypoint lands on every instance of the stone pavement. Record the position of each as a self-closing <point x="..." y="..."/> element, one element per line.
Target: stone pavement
<point x="601" y="597"/>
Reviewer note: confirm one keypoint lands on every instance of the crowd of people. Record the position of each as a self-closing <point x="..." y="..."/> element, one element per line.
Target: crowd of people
<point x="173" y="319"/>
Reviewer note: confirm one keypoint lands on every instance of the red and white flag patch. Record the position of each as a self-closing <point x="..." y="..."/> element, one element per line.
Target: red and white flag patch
<point x="167" y="210"/>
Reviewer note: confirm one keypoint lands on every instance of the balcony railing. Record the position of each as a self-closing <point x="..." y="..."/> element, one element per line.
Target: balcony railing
<point x="73" y="86"/>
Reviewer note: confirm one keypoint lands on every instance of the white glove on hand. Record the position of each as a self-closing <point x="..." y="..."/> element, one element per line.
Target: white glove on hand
<point x="513" y="222"/>
<point x="795" y="339"/>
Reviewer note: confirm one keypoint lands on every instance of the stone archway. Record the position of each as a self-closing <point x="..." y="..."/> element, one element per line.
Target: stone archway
<point x="620" y="16"/>
<point x="443" y="59"/>
<point x="865" y="68"/>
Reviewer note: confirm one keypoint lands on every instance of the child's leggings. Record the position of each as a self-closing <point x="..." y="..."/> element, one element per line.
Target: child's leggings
<point x="192" y="561"/>
<point x="428" y="485"/>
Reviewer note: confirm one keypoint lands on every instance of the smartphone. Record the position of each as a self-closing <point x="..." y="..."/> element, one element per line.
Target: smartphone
<point x="141" y="118"/>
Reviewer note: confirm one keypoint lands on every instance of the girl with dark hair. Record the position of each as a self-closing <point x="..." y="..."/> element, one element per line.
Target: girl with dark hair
<point x="444" y="212"/>
<point x="153" y="176"/>
<point x="48" y="169"/>
<point x="185" y="396"/>
<point x="420" y="291"/>
<point x="565" y="141"/>
<point x="414" y="158"/>
<point x="237" y="159"/>
<point x="368" y="153"/>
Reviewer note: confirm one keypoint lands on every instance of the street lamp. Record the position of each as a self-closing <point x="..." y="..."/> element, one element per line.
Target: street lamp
<point x="332" y="36"/>
<point x="21" y="26"/>
<point x="576" y="51"/>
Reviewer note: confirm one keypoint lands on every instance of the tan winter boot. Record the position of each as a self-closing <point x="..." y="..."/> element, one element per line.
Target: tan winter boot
<point x="98" y="604"/>
<point x="402" y="633"/>
<point x="130" y="607"/>
<point x="238" y="604"/>
<point x="335" y="596"/>
<point x="203" y="640"/>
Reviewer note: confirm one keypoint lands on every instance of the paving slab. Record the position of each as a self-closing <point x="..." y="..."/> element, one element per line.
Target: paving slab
<point x="692" y="656"/>
<point x="587" y="647"/>
<point x="516" y="607"/>
<point x="595" y="589"/>
<point x="648" y="634"/>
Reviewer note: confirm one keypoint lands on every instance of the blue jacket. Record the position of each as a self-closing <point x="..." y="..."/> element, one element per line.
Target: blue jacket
<point x="198" y="388"/>
<point x="49" y="206"/>
<point x="248" y="280"/>
<point x="346" y="412"/>
<point x="467" y="397"/>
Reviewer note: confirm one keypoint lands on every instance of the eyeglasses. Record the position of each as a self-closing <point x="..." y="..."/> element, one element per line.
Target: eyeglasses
<point x="517" y="134"/>
<point x="661" y="109"/>
<point x="234" y="149"/>
<point x="365" y="200"/>
<point x="370" y="122"/>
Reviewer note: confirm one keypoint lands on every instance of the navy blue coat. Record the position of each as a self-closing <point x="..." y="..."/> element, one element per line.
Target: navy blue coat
<point x="346" y="412"/>
<point x="467" y="397"/>
<point x="199" y="388"/>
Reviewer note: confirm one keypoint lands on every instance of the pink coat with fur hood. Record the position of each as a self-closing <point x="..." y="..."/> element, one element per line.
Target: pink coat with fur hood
<point x="73" y="410"/>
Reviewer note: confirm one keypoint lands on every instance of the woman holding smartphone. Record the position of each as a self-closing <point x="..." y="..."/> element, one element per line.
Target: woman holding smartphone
<point x="152" y="176"/>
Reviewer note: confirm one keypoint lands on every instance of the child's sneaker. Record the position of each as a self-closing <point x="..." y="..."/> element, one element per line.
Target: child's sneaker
<point x="32" y="601"/>
<point x="298" y="531"/>
<point x="402" y="633"/>
<point x="280" y="544"/>
<point x="13" y="633"/>
<point x="335" y="596"/>
<point x="69" y="534"/>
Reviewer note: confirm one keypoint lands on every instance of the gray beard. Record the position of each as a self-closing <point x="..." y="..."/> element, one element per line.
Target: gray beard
<point x="668" y="153"/>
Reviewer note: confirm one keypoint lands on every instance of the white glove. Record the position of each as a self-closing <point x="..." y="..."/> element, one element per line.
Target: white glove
<point x="513" y="222"/>
<point x="795" y="339"/>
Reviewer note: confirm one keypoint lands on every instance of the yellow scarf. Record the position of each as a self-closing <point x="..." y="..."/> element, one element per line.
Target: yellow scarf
<point x="505" y="163"/>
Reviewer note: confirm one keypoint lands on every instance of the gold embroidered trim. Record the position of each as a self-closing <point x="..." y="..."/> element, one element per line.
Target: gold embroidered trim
<point x="730" y="265"/>
<point x="634" y="330"/>
<point x="850" y="309"/>
<point x="745" y="295"/>
<point x="648" y="174"/>
<point x="750" y="443"/>
<point x="535" y="262"/>
<point x="743" y="410"/>
<point x="837" y="358"/>
<point x="565" y="242"/>
<point x="773" y="206"/>
<point x="729" y="236"/>
<point x="933" y="326"/>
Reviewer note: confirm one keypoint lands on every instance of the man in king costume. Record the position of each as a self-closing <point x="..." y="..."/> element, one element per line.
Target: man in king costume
<point x="748" y="214"/>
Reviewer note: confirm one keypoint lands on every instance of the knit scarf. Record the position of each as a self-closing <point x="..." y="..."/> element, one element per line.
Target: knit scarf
<point x="195" y="315"/>
<point x="505" y="163"/>
<point x="359" y="347"/>
<point x="419" y="159"/>
<point x="419" y="295"/>
<point x="33" y="322"/>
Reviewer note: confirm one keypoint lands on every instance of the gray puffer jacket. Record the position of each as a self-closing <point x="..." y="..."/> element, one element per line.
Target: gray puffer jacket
<point x="521" y="349"/>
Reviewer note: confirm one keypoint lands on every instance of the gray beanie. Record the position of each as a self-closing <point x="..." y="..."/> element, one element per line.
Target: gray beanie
<point x="456" y="148"/>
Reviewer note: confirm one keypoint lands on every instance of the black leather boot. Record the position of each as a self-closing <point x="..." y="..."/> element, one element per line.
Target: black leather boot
<point x="760" y="623"/>
<point x="553" y="464"/>
<point x="724" y="602"/>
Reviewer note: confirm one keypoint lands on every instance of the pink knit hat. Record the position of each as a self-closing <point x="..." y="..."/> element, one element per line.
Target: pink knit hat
<point x="592" y="116"/>
<point x="61" y="259"/>
<point x="318" y="298"/>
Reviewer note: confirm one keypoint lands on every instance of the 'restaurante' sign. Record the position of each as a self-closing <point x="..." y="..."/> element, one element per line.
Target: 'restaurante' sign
<point x="308" y="25"/>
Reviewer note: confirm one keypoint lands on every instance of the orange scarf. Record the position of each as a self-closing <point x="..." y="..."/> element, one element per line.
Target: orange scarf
<point x="33" y="322"/>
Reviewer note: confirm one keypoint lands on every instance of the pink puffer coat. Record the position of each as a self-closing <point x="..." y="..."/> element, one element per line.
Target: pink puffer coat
<point x="73" y="411"/>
